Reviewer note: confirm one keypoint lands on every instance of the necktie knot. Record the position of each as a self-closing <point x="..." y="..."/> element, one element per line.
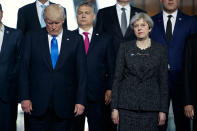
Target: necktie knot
<point x="123" y="9"/>
<point x="169" y="16"/>
<point x="86" y="34"/>
<point x="43" y="6"/>
<point x="54" y="37"/>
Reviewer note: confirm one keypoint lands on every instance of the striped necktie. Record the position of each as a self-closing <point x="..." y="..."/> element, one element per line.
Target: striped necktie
<point x="43" y="24"/>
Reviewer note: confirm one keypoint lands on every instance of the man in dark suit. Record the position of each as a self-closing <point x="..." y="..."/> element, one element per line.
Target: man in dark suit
<point x="100" y="66"/>
<point x="10" y="40"/>
<point x="30" y="17"/>
<point x="190" y="71"/>
<point x="171" y="27"/>
<point x="115" y="22"/>
<point x="53" y="74"/>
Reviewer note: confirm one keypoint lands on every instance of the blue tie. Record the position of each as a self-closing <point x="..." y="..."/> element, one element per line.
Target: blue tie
<point x="42" y="17"/>
<point x="54" y="51"/>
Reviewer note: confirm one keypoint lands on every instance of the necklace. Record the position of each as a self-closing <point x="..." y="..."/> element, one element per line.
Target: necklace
<point x="144" y="44"/>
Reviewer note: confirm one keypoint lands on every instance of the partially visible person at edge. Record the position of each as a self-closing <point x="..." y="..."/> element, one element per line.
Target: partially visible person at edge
<point x="171" y="28"/>
<point x="10" y="56"/>
<point x="190" y="71"/>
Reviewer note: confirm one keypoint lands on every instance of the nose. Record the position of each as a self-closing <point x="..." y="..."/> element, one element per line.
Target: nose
<point x="139" y="28"/>
<point x="83" y="15"/>
<point x="53" y="26"/>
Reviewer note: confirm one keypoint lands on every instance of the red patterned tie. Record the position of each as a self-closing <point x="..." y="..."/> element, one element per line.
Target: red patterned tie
<point x="86" y="41"/>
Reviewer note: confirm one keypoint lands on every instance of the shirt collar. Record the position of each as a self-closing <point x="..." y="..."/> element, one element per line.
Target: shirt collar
<point x="89" y="31"/>
<point x="127" y="7"/>
<point x="2" y="28"/>
<point x="39" y="3"/>
<point x="174" y="14"/>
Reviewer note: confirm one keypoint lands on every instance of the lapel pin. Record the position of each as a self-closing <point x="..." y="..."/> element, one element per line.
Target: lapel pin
<point x="7" y="32"/>
<point x="132" y="54"/>
<point x="180" y="19"/>
<point x="67" y="39"/>
<point x="97" y="34"/>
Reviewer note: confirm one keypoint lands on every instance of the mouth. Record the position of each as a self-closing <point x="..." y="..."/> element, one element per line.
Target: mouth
<point x="83" y="20"/>
<point x="170" y="4"/>
<point x="140" y="33"/>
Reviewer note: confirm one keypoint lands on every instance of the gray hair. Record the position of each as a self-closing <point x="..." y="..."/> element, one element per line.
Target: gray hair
<point x="143" y="16"/>
<point x="85" y="3"/>
<point x="60" y="9"/>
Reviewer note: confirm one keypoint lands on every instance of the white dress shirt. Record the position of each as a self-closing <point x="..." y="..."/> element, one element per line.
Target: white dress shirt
<point x="89" y="35"/>
<point x="59" y="41"/>
<point x="39" y="8"/>
<point x="119" y="12"/>
<point x="173" y="19"/>
<point x="1" y="35"/>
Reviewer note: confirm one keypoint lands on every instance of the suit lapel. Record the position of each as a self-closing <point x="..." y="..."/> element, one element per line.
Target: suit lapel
<point x="161" y="26"/>
<point x="34" y="14"/>
<point x="132" y="12"/>
<point x="177" y="27"/>
<point x="115" y="21"/>
<point x="65" y="40"/>
<point x="93" y="41"/>
<point x="45" y="49"/>
<point x="5" y="39"/>
<point x="129" y="30"/>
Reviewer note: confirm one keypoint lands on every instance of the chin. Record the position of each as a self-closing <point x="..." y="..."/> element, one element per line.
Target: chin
<point x="141" y="37"/>
<point x="53" y="34"/>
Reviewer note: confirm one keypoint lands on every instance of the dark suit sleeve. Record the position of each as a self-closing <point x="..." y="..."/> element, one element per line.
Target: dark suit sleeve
<point x="119" y="69"/>
<point x="10" y="66"/>
<point x="163" y="81"/>
<point x="21" y="21"/>
<point x="187" y="100"/>
<point x="110" y="63"/>
<point x="18" y="53"/>
<point x="81" y="66"/>
<point x="193" y="26"/>
<point x="24" y="84"/>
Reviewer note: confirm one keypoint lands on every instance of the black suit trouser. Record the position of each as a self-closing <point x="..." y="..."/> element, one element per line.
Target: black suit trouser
<point x="108" y="124"/>
<point x="94" y="114"/>
<point x="48" y="122"/>
<point x="181" y="121"/>
<point x="8" y="115"/>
